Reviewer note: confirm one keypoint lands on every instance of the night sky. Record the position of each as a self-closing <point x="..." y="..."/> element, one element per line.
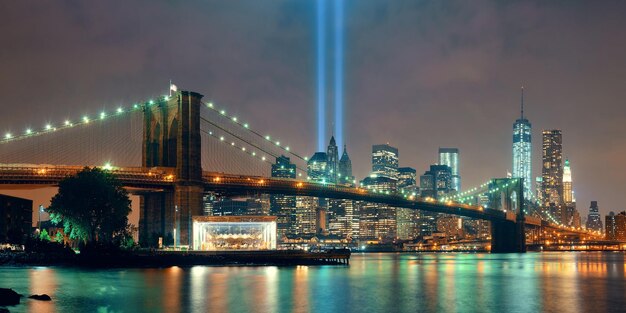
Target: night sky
<point x="418" y="74"/>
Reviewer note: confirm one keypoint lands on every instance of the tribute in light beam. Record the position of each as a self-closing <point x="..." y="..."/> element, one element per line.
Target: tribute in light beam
<point x="321" y="74"/>
<point x="339" y="75"/>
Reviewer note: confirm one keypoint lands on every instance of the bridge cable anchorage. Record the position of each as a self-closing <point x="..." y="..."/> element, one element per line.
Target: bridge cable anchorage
<point x="244" y="126"/>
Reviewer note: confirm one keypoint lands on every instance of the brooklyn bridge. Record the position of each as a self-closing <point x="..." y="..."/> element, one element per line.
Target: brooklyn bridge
<point x="188" y="147"/>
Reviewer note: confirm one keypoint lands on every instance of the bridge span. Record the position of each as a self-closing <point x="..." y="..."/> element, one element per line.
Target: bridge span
<point x="171" y="181"/>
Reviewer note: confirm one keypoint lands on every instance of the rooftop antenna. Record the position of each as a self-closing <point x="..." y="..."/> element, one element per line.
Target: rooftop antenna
<point x="522" y="102"/>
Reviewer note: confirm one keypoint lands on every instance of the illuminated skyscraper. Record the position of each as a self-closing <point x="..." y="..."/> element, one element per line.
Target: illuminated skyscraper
<point x="332" y="153"/>
<point x="317" y="167"/>
<point x="385" y="161"/>
<point x="552" y="170"/>
<point x="568" y="194"/>
<point x="522" y="151"/>
<point x="450" y="157"/>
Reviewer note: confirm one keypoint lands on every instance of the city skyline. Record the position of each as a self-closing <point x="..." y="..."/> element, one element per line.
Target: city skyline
<point x="475" y="101"/>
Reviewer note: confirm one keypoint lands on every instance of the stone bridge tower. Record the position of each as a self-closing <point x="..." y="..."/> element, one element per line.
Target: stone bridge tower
<point x="171" y="138"/>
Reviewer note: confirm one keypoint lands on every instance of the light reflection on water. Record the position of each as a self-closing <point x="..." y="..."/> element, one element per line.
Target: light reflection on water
<point x="532" y="282"/>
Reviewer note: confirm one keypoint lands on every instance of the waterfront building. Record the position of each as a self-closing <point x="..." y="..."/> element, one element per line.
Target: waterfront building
<point x="282" y="206"/>
<point x="306" y="215"/>
<point x="522" y="151"/>
<point x="552" y="169"/>
<point x="385" y="161"/>
<point x="407" y="220"/>
<point x="616" y="226"/>
<point x="219" y="233"/>
<point x="378" y="221"/>
<point x="341" y="212"/>
<point x="594" y="221"/>
<point x="434" y="183"/>
<point x="15" y="218"/>
<point x="450" y="157"/>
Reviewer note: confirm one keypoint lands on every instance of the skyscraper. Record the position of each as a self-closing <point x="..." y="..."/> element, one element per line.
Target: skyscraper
<point x="281" y="206"/>
<point x="385" y="161"/>
<point x="594" y="221"/>
<point x="568" y="195"/>
<point x="407" y="220"/>
<point x="552" y="170"/>
<point x="345" y="168"/>
<point x="522" y="151"/>
<point x="332" y="155"/>
<point x="317" y="167"/>
<point x="450" y="157"/>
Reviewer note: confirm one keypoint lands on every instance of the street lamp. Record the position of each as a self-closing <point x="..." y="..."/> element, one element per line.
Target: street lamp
<point x="39" y="221"/>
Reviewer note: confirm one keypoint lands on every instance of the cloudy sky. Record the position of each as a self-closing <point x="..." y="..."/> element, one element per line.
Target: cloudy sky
<point x="418" y="74"/>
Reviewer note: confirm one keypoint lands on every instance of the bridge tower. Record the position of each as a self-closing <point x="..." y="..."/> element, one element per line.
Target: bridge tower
<point x="510" y="236"/>
<point x="171" y="138"/>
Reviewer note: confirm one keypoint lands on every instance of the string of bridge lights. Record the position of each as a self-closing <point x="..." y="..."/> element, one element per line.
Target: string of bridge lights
<point x="242" y="148"/>
<point x="246" y="126"/>
<point x="68" y="123"/>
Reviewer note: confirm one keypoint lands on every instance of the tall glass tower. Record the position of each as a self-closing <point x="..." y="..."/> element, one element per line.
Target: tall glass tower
<point x="522" y="151"/>
<point x="450" y="157"/>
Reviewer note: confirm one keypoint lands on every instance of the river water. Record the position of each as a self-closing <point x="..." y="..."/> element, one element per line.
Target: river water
<point x="385" y="282"/>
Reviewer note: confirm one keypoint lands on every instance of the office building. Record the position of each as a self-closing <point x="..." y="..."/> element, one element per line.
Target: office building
<point x="282" y="206"/>
<point x="332" y="155"/>
<point x="552" y="169"/>
<point x="450" y="157"/>
<point x="616" y="226"/>
<point x="385" y="161"/>
<point x="15" y="219"/>
<point x="594" y="221"/>
<point x="522" y="151"/>
<point x="345" y="169"/>
<point x="568" y="194"/>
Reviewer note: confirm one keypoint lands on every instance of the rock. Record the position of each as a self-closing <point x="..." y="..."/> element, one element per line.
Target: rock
<point x="9" y="297"/>
<point x="41" y="297"/>
<point x="4" y="310"/>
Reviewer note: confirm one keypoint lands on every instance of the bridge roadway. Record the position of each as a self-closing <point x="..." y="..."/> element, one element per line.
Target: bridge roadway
<point x="31" y="176"/>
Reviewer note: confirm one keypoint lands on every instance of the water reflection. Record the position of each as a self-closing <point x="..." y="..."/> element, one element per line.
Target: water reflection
<point x="533" y="282"/>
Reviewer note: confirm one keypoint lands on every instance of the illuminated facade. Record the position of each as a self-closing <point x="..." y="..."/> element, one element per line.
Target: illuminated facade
<point x="385" y="161"/>
<point x="407" y="220"/>
<point x="317" y="167"/>
<point x="568" y="194"/>
<point x="522" y="151"/>
<point x="282" y="206"/>
<point x="616" y="226"/>
<point x="450" y="157"/>
<point x="219" y="233"/>
<point x="306" y="208"/>
<point x="552" y="169"/>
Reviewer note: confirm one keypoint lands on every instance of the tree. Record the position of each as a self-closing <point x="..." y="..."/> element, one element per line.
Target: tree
<point x="92" y="206"/>
<point x="44" y="235"/>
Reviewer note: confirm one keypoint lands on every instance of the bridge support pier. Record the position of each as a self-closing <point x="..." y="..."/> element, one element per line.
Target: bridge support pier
<point x="508" y="237"/>
<point x="171" y="138"/>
